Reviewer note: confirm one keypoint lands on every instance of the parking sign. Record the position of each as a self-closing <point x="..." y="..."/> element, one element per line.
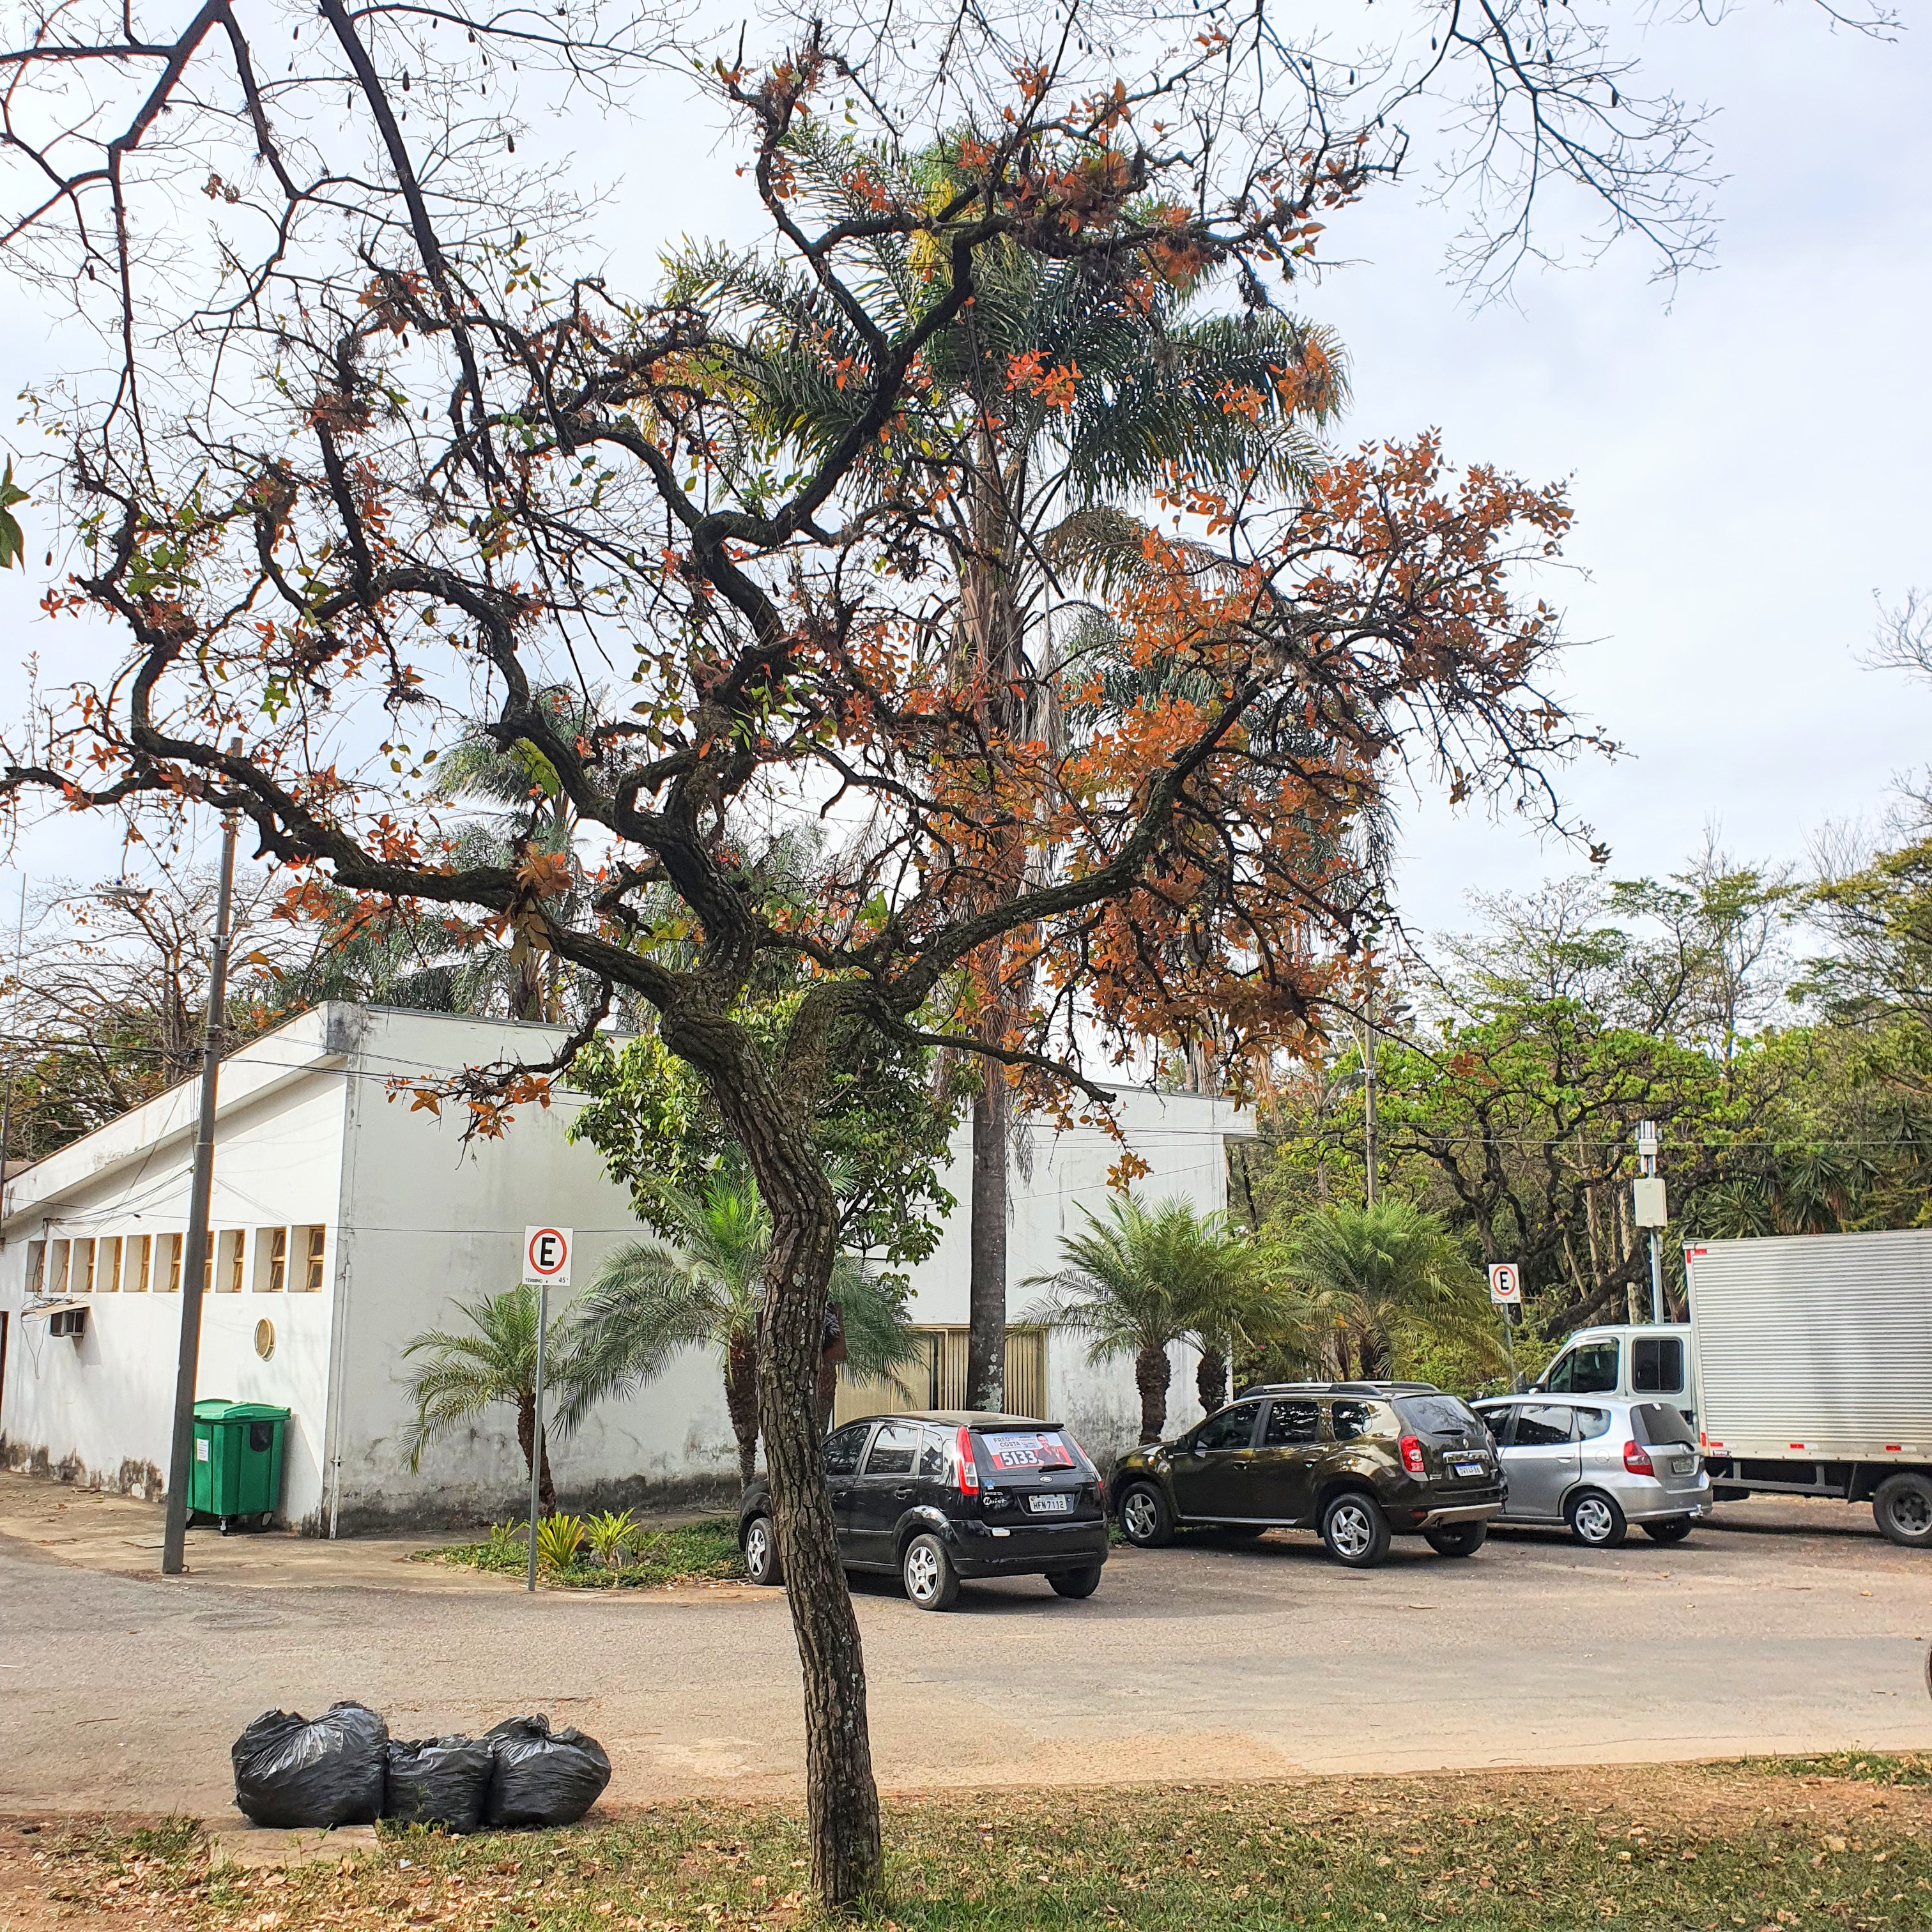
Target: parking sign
<point x="1506" y="1284"/>
<point x="546" y="1256"/>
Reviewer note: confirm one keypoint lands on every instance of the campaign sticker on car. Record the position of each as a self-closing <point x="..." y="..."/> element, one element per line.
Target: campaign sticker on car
<point x="1054" y="1502"/>
<point x="1011" y="1451"/>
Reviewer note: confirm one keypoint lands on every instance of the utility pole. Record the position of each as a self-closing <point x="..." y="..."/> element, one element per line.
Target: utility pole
<point x="194" y="1259"/>
<point x="1650" y="1210"/>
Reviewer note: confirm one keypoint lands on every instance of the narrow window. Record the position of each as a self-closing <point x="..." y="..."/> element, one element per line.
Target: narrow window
<point x="83" y="1267"/>
<point x="208" y="1262"/>
<point x="37" y="1268"/>
<point x="316" y="1237"/>
<point x="63" y="1253"/>
<point x="139" y="1272"/>
<point x="174" y="1242"/>
<point x="110" y="1265"/>
<point x="278" y="1260"/>
<point x="234" y="1237"/>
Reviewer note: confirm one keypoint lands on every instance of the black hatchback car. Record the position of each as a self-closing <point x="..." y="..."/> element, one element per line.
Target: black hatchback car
<point x="1358" y="1461"/>
<point x="940" y="1496"/>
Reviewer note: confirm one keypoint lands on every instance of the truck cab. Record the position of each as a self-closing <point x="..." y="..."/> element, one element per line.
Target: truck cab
<point x="1653" y="1362"/>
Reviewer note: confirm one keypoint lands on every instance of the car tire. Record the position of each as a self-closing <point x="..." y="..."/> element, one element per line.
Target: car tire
<point x="1075" y="1583"/>
<point x="1903" y="1506"/>
<point x="931" y="1581"/>
<point x="1595" y="1521"/>
<point x="1355" y="1530"/>
<point x="1671" y="1529"/>
<point x="1457" y="1539"/>
<point x="1145" y="1520"/>
<point x="761" y="1551"/>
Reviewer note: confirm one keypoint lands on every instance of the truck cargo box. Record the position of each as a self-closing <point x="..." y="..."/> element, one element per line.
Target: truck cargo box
<point x="1814" y="1346"/>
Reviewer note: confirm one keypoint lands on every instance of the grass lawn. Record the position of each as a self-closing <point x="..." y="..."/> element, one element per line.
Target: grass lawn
<point x="1758" y="1846"/>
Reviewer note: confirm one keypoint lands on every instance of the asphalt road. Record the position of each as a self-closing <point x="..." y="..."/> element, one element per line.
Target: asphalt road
<point x="1797" y="1629"/>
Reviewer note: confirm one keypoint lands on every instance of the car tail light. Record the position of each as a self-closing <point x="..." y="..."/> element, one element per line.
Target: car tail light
<point x="1413" y="1459"/>
<point x="969" y="1468"/>
<point x="1637" y="1459"/>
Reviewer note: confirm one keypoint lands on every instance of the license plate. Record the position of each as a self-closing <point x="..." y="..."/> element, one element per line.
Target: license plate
<point x="1050" y="1504"/>
<point x="1682" y="1465"/>
<point x="1466" y="1465"/>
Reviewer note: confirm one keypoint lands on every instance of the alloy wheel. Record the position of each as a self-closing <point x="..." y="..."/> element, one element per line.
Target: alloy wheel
<point x="922" y="1574"/>
<point x="758" y="1547"/>
<point x="1139" y="1516"/>
<point x="1351" y="1529"/>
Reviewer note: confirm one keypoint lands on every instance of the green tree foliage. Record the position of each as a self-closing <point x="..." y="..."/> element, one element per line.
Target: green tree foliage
<point x="703" y="1288"/>
<point x="1136" y="1279"/>
<point x="467" y="1371"/>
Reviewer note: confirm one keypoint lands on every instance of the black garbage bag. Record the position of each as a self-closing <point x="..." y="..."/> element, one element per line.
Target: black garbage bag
<point x="542" y="1777"/>
<point x="290" y="1770"/>
<point x="439" y="1781"/>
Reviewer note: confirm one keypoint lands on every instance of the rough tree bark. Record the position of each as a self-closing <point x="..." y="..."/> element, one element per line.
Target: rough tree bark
<point x="526" y="1429"/>
<point x="1210" y="1380"/>
<point x="741" y="1400"/>
<point x="1152" y="1373"/>
<point x="986" y="1291"/>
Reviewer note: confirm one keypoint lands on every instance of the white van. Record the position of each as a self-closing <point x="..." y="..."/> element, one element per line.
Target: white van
<point x="1652" y="1362"/>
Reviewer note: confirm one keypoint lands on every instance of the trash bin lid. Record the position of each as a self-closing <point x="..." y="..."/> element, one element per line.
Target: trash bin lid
<point x="219" y="1408"/>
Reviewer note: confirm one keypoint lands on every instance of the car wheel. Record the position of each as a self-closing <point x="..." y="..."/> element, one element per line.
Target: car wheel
<point x="931" y="1581"/>
<point x="761" y="1551"/>
<point x="1355" y="1530"/>
<point x="1595" y="1521"/>
<point x="1145" y="1521"/>
<point x="1075" y="1583"/>
<point x="1903" y="1504"/>
<point x="1457" y="1539"/>
<point x="1671" y="1529"/>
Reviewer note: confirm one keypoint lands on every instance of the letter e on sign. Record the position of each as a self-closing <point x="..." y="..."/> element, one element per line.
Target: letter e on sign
<point x="547" y="1256"/>
<point x="1506" y="1284"/>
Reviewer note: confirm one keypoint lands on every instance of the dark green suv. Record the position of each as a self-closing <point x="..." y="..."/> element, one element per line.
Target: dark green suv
<point x="1358" y="1461"/>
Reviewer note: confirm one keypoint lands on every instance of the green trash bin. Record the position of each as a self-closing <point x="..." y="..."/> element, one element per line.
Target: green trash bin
<point x="237" y="1462"/>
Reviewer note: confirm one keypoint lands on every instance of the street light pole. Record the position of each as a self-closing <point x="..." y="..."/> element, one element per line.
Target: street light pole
<point x="194" y="1259"/>
<point x="6" y="1105"/>
<point x="1369" y="1097"/>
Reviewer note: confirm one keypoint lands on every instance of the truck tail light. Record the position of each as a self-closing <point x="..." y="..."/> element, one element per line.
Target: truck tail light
<point x="1637" y="1459"/>
<point x="969" y="1468"/>
<point x="1413" y="1459"/>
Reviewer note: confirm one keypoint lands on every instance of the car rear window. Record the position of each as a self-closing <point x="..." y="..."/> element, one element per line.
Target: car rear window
<point x="1661" y="1422"/>
<point x="1437" y="1415"/>
<point x="1029" y="1451"/>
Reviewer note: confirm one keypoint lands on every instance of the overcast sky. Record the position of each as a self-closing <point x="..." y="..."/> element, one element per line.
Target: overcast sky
<point x="1749" y="455"/>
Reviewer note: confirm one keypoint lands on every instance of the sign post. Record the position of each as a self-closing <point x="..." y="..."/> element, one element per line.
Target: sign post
<point x="1651" y="1209"/>
<point x="1506" y="1293"/>
<point x="546" y="1259"/>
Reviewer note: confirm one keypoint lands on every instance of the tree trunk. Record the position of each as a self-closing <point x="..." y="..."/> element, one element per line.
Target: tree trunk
<point x="773" y="1127"/>
<point x="1210" y="1380"/>
<point x="741" y="1400"/>
<point x="526" y="1429"/>
<point x="986" y="1291"/>
<point x="1152" y="1372"/>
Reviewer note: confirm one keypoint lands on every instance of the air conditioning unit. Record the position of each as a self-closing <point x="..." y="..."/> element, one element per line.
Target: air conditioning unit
<point x="67" y="1322"/>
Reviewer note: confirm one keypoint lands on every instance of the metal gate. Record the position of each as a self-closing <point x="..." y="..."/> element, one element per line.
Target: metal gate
<point x="938" y="1378"/>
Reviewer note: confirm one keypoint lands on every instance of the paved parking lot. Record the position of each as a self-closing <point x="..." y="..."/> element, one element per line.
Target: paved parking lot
<point x="1795" y="1628"/>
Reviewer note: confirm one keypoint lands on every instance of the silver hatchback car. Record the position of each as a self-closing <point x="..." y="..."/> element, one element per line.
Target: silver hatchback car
<point x="1599" y="1463"/>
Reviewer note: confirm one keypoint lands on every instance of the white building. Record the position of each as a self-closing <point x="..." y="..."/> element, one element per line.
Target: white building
<point x="347" y="1221"/>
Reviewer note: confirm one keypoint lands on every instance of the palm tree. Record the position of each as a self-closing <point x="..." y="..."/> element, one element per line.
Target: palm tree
<point x="1368" y="1282"/>
<point x="496" y="1362"/>
<point x="1051" y="406"/>
<point x="1135" y="1280"/>
<point x="702" y="1288"/>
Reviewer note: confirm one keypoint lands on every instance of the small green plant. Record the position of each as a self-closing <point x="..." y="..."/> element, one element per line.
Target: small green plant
<point x="509" y="1543"/>
<point x="559" y="1537"/>
<point x="610" y="1535"/>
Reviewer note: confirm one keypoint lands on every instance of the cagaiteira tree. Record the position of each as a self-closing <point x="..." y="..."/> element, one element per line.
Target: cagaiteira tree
<point x="391" y="466"/>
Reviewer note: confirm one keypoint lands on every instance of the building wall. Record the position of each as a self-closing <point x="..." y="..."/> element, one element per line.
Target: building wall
<point x="315" y="1132"/>
<point x="98" y="1409"/>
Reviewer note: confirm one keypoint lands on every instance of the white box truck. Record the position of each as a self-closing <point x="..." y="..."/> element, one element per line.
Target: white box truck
<point x="1807" y="1367"/>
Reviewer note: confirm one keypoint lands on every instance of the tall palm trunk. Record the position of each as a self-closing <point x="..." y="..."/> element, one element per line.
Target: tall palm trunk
<point x="741" y="1400"/>
<point x="527" y="1430"/>
<point x="1152" y="1373"/>
<point x="986" y="1289"/>
<point x="1210" y="1380"/>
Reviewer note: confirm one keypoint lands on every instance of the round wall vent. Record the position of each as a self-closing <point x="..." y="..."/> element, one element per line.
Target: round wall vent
<point x="265" y="1339"/>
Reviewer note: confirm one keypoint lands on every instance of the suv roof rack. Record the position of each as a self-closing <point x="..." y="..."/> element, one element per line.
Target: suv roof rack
<point x="1377" y="1388"/>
